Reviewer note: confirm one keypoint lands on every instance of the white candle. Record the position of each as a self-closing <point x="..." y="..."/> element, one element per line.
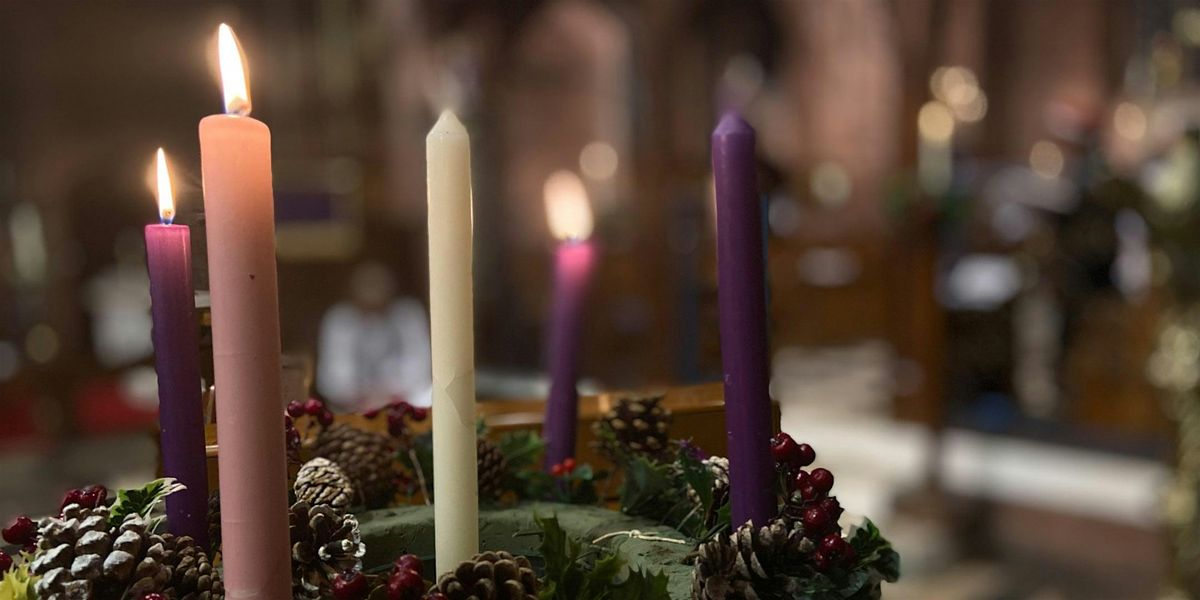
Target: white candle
<point x="452" y="331"/>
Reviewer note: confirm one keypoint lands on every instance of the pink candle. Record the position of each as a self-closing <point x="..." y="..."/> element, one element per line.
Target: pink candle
<point x="570" y="220"/>
<point x="177" y="363"/>
<point x="235" y="154"/>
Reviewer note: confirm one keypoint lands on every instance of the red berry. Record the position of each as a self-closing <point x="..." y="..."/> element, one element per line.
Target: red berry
<point x="836" y="549"/>
<point x="295" y="408"/>
<point x="810" y="493"/>
<point x="74" y="496"/>
<point x="816" y="520"/>
<point x="93" y="496"/>
<point x="806" y="455"/>
<point x="435" y="595"/>
<point x="822" y="479"/>
<point x="6" y="563"/>
<point x="557" y="470"/>
<point x="325" y="417"/>
<point x="21" y="531"/>
<point x="800" y="479"/>
<point x="350" y="585"/>
<point x="371" y="414"/>
<point x="405" y="584"/>
<point x="785" y="450"/>
<point x="820" y="561"/>
<point x="412" y="562"/>
<point x="313" y="407"/>
<point x="833" y="507"/>
<point x="569" y="464"/>
<point x="831" y="543"/>
<point x="418" y="413"/>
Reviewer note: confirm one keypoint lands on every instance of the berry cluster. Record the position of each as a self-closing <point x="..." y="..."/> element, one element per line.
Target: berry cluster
<point x="88" y="497"/>
<point x="312" y="407"/>
<point x="21" y="532"/>
<point x="808" y="501"/>
<point x="399" y="412"/>
<point x="406" y="581"/>
<point x="564" y="468"/>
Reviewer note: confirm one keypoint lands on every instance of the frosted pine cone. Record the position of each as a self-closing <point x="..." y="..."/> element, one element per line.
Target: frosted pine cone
<point x="321" y="481"/>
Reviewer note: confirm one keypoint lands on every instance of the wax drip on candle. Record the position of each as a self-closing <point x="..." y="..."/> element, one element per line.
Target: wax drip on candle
<point x="233" y="72"/>
<point x="166" y="198"/>
<point x="567" y="210"/>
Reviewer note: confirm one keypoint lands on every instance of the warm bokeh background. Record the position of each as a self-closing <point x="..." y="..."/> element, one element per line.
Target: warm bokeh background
<point x="979" y="224"/>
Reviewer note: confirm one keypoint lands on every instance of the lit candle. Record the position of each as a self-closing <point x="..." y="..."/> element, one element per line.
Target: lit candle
<point x="741" y="296"/>
<point x="235" y="154"/>
<point x="570" y="220"/>
<point x="177" y="362"/>
<point x="452" y="333"/>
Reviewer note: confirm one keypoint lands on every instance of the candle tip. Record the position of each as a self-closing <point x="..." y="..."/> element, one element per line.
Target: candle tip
<point x="448" y="124"/>
<point x="733" y="124"/>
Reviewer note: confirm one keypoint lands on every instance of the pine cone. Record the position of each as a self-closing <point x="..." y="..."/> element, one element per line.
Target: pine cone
<point x="492" y="465"/>
<point x="321" y="481"/>
<point x="719" y="466"/>
<point x="490" y="575"/>
<point x="192" y="574"/>
<point x="366" y="458"/>
<point x="324" y="543"/>
<point x="749" y="563"/>
<point x="637" y="424"/>
<point x="214" y="521"/>
<point x="80" y="556"/>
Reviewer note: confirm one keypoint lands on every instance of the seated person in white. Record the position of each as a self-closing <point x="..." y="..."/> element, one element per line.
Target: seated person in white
<point x="374" y="347"/>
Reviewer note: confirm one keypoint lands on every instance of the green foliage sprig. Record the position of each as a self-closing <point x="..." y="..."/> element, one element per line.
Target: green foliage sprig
<point x="574" y="572"/>
<point x="17" y="583"/>
<point x="142" y="501"/>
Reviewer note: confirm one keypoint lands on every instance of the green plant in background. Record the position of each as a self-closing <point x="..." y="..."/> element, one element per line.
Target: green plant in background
<point x="578" y="572"/>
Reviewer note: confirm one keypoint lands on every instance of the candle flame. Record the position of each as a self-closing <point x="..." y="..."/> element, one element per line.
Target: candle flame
<point x="567" y="209"/>
<point x="233" y="72"/>
<point x="166" y="198"/>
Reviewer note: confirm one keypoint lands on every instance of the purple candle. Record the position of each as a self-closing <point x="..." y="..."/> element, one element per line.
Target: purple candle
<point x="741" y="296"/>
<point x="177" y="362"/>
<point x="570" y="221"/>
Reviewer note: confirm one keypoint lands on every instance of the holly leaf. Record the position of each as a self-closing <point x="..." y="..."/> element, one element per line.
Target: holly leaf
<point x="647" y="489"/>
<point x="874" y="551"/>
<point x="641" y="585"/>
<point x="699" y="477"/>
<point x="575" y="574"/>
<point x="564" y="577"/>
<point x="142" y="501"/>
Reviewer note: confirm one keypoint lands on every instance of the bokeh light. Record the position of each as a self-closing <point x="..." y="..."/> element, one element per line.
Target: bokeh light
<point x="1046" y="159"/>
<point x="598" y="160"/>
<point x="935" y="122"/>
